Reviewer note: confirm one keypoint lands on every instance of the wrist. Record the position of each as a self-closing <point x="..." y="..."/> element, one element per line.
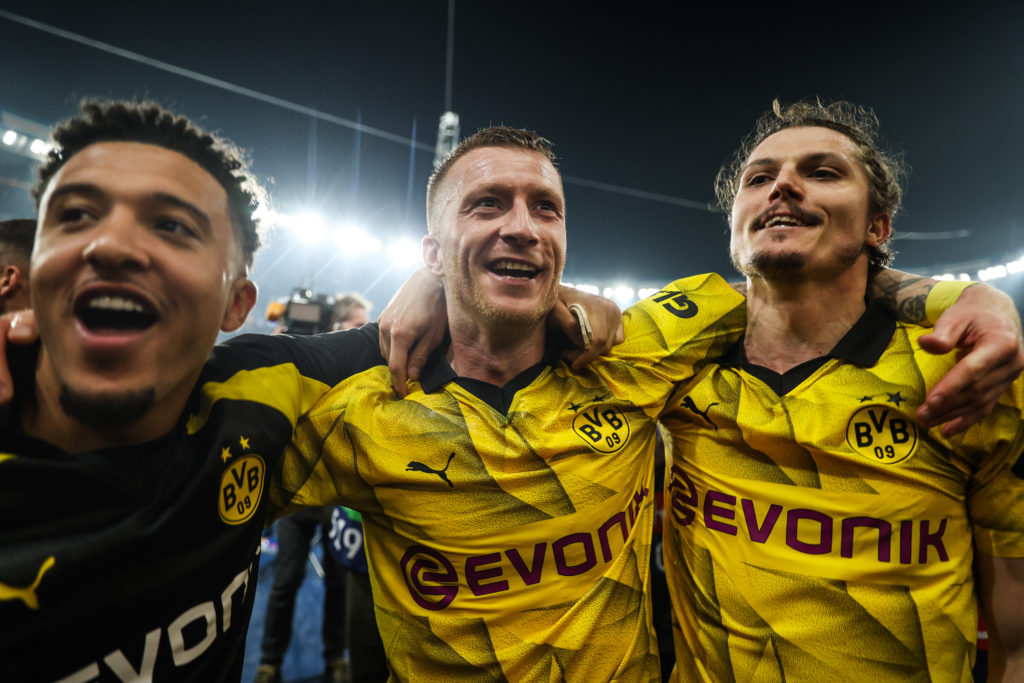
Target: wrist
<point x="943" y="295"/>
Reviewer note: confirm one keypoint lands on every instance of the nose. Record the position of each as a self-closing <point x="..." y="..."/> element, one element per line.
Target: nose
<point x="519" y="227"/>
<point x="787" y="185"/>
<point x="117" y="242"/>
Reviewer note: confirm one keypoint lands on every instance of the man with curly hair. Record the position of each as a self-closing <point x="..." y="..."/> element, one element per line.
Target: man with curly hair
<point x="814" y="531"/>
<point x="136" y="463"/>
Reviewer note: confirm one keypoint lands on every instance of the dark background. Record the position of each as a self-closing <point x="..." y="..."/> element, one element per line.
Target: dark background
<point x="648" y="98"/>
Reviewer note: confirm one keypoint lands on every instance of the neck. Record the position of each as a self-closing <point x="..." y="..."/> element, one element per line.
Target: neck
<point x="494" y="353"/>
<point x="789" y="324"/>
<point x="43" y="417"/>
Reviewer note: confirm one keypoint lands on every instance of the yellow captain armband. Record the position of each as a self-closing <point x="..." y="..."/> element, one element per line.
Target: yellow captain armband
<point x="943" y="295"/>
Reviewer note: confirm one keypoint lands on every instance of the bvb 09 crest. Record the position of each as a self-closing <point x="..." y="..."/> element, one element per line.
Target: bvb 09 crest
<point x="603" y="427"/>
<point x="241" y="487"/>
<point x="881" y="434"/>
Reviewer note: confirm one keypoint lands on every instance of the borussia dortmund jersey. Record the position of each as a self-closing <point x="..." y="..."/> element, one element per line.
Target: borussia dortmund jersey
<point x="816" y="533"/>
<point x="508" y="529"/>
<point x="140" y="563"/>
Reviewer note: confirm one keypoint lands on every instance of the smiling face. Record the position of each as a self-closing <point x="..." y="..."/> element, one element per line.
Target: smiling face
<point x="498" y="241"/>
<point x="802" y="208"/>
<point x="136" y="268"/>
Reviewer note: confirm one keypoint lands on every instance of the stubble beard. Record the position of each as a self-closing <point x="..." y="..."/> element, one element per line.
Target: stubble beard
<point x="474" y="299"/>
<point x="789" y="267"/>
<point x="106" y="412"/>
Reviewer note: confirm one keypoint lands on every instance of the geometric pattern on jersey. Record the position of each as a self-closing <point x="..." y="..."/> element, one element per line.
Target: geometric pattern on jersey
<point x="820" y="534"/>
<point x="149" y="574"/>
<point x="513" y="544"/>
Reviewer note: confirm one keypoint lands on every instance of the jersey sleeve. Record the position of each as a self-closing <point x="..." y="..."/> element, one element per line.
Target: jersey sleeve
<point x="676" y="330"/>
<point x="288" y="372"/>
<point x="995" y="494"/>
<point x="320" y="465"/>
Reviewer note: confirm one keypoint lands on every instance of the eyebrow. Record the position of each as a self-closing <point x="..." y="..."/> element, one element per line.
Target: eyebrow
<point x="815" y="158"/>
<point x="94" y="191"/>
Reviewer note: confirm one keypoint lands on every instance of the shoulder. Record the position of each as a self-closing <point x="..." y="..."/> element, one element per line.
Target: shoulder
<point x="326" y="357"/>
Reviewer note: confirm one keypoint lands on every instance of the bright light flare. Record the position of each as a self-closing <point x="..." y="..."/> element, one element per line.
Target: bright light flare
<point x="354" y="240"/>
<point x="405" y="252"/>
<point x="10" y="137"/>
<point x="39" y="147"/>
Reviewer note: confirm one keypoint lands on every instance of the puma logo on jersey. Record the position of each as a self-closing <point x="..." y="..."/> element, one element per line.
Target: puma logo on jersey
<point x="420" y="467"/>
<point x="688" y="403"/>
<point x="27" y="594"/>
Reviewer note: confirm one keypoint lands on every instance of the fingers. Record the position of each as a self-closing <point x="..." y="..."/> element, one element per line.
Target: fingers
<point x="561" y="318"/>
<point x="586" y="332"/>
<point x="399" y="345"/>
<point x="965" y="397"/>
<point x="938" y="343"/>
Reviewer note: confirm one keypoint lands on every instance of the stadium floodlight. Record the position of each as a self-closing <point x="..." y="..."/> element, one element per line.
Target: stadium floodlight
<point x="964" y="277"/>
<point x="992" y="273"/>
<point x="40" y="147"/>
<point x="10" y="137"/>
<point x="1015" y="266"/>
<point x="354" y="240"/>
<point x="309" y="227"/>
<point x="405" y="252"/>
<point x="588" y="288"/>
<point x="623" y="295"/>
<point x="645" y="292"/>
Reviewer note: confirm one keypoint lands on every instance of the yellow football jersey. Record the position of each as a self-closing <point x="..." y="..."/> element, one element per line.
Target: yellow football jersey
<point x="814" y="532"/>
<point x="508" y="529"/>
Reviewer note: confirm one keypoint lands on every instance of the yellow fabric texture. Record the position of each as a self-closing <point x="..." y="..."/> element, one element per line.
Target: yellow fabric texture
<point x="515" y="546"/>
<point x="822" y="535"/>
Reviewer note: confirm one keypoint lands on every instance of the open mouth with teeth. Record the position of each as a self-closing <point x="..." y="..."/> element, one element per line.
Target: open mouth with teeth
<point x="114" y="313"/>
<point x="513" y="269"/>
<point x="787" y="220"/>
<point x="783" y="221"/>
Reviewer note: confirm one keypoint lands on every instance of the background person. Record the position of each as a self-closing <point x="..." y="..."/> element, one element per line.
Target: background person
<point x="16" y="238"/>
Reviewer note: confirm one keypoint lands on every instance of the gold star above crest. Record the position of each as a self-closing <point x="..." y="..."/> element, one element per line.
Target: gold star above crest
<point x="225" y="454"/>
<point x="244" y="441"/>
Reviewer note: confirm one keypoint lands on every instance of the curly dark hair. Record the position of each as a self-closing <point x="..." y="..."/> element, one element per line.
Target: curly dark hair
<point x="149" y="123"/>
<point x="885" y="169"/>
<point x="494" y="136"/>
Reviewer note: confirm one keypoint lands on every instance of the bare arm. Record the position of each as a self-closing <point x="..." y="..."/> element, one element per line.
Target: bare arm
<point x="605" y="323"/>
<point x="983" y="323"/>
<point x="1001" y="589"/>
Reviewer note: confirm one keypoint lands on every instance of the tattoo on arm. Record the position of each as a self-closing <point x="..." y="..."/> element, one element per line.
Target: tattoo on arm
<point x="902" y="293"/>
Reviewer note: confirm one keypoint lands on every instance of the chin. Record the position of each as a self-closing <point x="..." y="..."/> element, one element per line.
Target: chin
<point x="774" y="266"/>
<point x="108" y="409"/>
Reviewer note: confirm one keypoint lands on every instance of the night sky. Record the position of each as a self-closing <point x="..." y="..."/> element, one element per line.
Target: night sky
<point x="649" y="97"/>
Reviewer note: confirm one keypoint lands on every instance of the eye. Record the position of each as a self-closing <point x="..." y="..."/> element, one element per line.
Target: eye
<point x="486" y="202"/>
<point x="175" y="227"/>
<point x="758" y="179"/>
<point x="824" y="173"/>
<point x="549" y="207"/>
<point x="73" y="214"/>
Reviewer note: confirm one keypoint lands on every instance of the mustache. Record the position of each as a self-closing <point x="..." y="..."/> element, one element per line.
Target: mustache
<point x="803" y="215"/>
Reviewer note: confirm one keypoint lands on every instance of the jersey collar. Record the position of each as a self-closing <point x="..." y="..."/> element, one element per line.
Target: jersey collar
<point x="862" y="345"/>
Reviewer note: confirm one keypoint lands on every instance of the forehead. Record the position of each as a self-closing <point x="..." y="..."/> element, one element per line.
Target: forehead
<point x="804" y="141"/>
<point x="140" y="169"/>
<point x="507" y="167"/>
